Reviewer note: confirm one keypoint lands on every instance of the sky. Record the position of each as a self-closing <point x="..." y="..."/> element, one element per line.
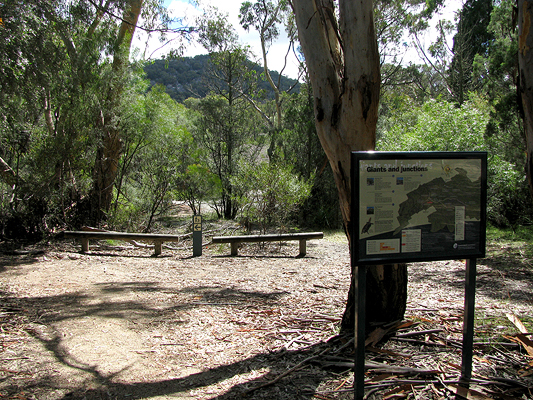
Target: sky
<point x="180" y="8"/>
<point x="276" y="55"/>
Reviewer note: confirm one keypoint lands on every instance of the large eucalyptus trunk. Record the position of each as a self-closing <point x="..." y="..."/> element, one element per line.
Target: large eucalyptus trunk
<point x="109" y="152"/>
<point x="525" y="63"/>
<point x="343" y="63"/>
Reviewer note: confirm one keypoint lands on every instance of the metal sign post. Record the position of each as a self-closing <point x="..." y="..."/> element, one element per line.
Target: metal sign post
<point x="468" y="319"/>
<point x="413" y="207"/>
<point x="196" y="235"/>
<point x="360" y="317"/>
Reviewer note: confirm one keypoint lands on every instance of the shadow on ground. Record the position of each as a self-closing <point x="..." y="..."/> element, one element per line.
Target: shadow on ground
<point x="299" y="384"/>
<point x="498" y="277"/>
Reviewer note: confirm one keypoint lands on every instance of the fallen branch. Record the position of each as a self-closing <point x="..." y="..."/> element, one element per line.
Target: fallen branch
<point x="289" y="371"/>
<point x="383" y="368"/>
<point x="467" y="393"/>
<point x="141" y="245"/>
<point x="421" y="342"/>
<point x="418" y="333"/>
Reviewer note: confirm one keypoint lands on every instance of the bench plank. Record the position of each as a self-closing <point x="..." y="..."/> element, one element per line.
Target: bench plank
<point x="301" y="237"/>
<point x="156" y="238"/>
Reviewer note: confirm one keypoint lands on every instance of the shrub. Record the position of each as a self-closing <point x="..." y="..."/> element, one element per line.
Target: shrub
<point x="267" y="194"/>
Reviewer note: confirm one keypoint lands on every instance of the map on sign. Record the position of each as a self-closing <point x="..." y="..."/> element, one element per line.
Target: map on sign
<point x="420" y="207"/>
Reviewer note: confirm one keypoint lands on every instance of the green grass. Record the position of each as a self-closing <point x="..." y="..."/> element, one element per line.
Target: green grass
<point x="512" y="245"/>
<point x="493" y="328"/>
<point x="113" y="242"/>
<point x="523" y="234"/>
<point x="337" y="236"/>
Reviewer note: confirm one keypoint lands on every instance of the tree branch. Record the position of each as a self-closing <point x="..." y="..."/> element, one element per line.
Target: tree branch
<point x="7" y="175"/>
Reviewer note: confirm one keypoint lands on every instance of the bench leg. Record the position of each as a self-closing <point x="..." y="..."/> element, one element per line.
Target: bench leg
<point x="234" y="248"/>
<point x="303" y="245"/>
<point x="157" y="246"/>
<point x="84" y="245"/>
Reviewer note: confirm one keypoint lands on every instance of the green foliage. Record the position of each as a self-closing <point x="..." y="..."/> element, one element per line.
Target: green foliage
<point x="269" y="193"/>
<point x="187" y="77"/>
<point x="199" y="184"/>
<point x="51" y="92"/>
<point x="394" y="18"/>
<point x="301" y="148"/>
<point x="157" y="152"/>
<point x="434" y="126"/>
<point x="509" y="199"/>
<point x="498" y="68"/>
<point x="472" y="39"/>
<point x="225" y="127"/>
<point x="300" y="144"/>
<point x="442" y="126"/>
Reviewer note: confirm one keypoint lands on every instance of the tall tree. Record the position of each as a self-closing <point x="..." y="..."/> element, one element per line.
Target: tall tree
<point x="397" y="19"/>
<point x="51" y="70"/>
<point x="226" y="124"/>
<point x="265" y="17"/>
<point x="498" y="69"/>
<point x="225" y="128"/>
<point x="342" y="58"/>
<point x="525" y="62"/>
<point x="472" y="38"/>
<point x="110" y="148"/>
<point x="70" y="38"/>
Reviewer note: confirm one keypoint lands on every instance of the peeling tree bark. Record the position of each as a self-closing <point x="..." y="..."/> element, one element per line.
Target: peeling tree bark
<point x="525" y="63"/>
<point x="343" y="63"/>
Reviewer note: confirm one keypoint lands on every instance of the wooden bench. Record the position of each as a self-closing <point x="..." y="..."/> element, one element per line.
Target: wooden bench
<point x="85" y="236"/>
<point x="235" y="240"/>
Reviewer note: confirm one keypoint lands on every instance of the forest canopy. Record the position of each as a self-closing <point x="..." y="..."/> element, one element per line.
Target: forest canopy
<point x="89" y="137"/>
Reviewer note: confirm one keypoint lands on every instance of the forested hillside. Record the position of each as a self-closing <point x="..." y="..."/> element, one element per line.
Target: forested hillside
<point x="191" y="77"/>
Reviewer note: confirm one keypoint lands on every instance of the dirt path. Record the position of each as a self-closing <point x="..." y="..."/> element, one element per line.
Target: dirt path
<point x="120" y="324"/>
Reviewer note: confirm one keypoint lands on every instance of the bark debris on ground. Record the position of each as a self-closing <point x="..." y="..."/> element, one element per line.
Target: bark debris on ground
<point x="117" y="323"/>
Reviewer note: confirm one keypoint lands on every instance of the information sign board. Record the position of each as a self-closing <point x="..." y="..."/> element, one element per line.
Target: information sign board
<point x="418" y="206"/>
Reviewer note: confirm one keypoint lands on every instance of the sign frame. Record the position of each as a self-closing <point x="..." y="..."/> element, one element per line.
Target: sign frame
<point x="371" y="168"/>
<point x="475" y="203"/>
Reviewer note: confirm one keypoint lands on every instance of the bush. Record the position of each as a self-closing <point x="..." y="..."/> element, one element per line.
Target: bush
<point x="508" y="198"/>
<point x="267" y="194"/>
<point x="441" y="126"/>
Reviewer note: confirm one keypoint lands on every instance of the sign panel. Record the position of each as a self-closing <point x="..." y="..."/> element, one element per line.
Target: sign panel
<point x="196" y="235"/>
<point x="418" y="206"/>
<point x="197" y="223"/>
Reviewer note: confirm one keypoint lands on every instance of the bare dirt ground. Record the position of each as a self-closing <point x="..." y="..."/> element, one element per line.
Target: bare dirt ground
<point x="117" y="323"/>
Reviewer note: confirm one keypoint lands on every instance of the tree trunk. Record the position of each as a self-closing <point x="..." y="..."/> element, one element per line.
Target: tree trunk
<point x="343" y="63"/>
<point x="386" y="297"/>
<point x="525" y="63"/>
<point x="108" y="154"/>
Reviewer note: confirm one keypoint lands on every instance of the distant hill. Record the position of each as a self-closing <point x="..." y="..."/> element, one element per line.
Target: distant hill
<point x="186" y="77"/>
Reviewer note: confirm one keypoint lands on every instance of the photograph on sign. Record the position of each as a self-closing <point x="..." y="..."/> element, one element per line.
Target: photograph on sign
<point x="419" y="205"/>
